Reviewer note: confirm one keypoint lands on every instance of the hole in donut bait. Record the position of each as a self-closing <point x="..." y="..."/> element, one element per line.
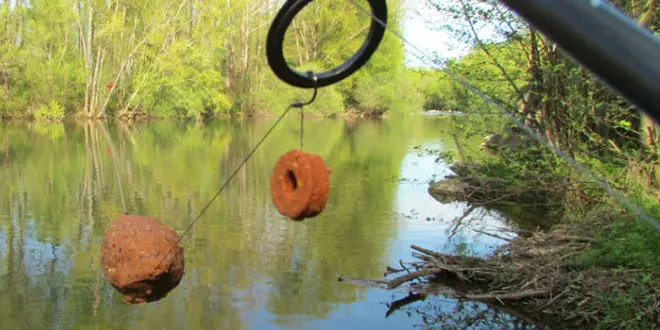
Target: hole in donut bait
<point x="292" y="182"/>
<point x="299" y="185"/>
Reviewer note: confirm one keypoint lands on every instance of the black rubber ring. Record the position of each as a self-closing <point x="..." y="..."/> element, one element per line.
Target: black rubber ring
<point x="282" y="70"/>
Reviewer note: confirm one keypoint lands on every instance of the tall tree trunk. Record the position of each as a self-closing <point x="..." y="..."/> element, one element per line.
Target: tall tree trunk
<point x="229" y="79"/>
<point x="20" y="21"/>
<point x="86" y="38"/>
<point x="96" y="76"/>
<point x="5" y="40"/>
<point x="245" y="62"/>
<point x="649" y="127"/>
<point x="530" y="103"/>
<point x="5" y="82"/>
<point x="5" y="6"/>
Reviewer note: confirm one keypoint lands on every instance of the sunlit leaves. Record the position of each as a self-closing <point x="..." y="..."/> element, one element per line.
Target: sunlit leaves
<point x="190" y="59"/>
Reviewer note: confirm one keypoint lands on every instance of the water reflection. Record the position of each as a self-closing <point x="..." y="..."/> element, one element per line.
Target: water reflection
<point x="451" y="314"/>
<point x="436" y="226"/>
<point x="246" y="266"/>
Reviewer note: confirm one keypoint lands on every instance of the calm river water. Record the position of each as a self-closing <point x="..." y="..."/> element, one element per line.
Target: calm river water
<point x="246" y="266"/>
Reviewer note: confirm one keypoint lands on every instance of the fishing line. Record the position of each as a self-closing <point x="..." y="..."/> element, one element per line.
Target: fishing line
<point x="115" y="162"/>
<point x="224" y="185"/>
<point x="302" y="127"/>
<point x="315" y="80"/>
<point x="116" y="166"/>
<point x="488" y="100"/>
<point x="249" y="155"/>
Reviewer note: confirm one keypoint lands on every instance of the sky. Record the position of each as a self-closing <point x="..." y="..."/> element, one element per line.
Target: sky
<point x="433" y="42"/>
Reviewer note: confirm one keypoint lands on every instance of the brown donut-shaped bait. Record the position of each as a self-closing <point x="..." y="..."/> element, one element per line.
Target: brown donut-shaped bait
<point x="299" y="185"/>
<point x="141" y="258"/>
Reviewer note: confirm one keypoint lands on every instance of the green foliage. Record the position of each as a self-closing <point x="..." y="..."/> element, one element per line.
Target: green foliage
<point x="480" y="70"/>
<point x="627" y="241"/>
<point x="630" y="306"/>
<point x="432" y="85"/>
<point x="12" y="67"/>
<point x="186" y="86"/>
<point x="442" y="91"/>
<point x="631" y="244"/>
<point x="575" y="112"/>
<point x="529" y="165"/>
<point x="276" y="96"/>
<point x="384" y="85"/>
<point x="192" y="60"/>
<point x="53" y="111"/>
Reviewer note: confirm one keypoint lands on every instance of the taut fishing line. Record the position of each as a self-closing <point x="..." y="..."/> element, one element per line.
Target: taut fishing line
<point x="302" y="127"/>
<point x="314" y="78"/>
<point x="136" y="279"/>
<point x="287" y="172"/>
<point x="115" y="162"/>
<point x="249" y="155"/>
<point x="488" y="100"/>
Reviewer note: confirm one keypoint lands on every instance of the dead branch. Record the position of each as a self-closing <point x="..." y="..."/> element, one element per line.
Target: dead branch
<point x="577" y="239"/>
<point x="392" y="270"/>
<point x="507" y="296"/>
<point x="403" y="266"/>
<point x="555" y="298"/>
<point x="492" y="235"/>
<point x="459" y="220"/>
<point x="425" y="251"/>
<point x="423" y="257"/>
<point x="411" y="276"/>
<point x="362" y="282"/>
<point x="459" y="148"/>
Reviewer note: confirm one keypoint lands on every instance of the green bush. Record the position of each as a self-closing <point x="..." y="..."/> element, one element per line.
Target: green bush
<point x="53" y="111"/>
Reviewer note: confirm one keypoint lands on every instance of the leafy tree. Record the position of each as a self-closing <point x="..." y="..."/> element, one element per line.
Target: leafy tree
<point x="190" y="59"/>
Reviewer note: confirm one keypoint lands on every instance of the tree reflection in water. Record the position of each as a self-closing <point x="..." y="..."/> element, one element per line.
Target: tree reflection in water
<point x="438" y="312"/>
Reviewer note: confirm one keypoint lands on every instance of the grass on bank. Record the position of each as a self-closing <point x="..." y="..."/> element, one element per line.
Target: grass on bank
<point x="623" y="248"/>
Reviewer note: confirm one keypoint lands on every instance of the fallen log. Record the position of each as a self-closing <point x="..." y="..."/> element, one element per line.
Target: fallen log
<point x="411" y="276"/>
<point x="425" y="251"/>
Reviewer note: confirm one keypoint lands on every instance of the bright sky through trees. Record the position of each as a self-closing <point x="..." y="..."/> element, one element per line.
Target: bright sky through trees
<point x="422" y="27"/>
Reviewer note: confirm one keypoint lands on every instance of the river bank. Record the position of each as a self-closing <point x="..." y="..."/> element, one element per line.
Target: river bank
<point x="583" y="269"/>
<point x="351" y="113"/>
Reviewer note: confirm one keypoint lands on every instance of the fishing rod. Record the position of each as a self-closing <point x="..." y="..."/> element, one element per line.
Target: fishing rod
<point x="613" y="46"/>
<point x="608" y="43"/>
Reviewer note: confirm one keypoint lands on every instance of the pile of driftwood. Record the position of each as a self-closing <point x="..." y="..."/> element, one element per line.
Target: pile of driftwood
<point x="468" y="276"/>
<point x="533" y="277"/>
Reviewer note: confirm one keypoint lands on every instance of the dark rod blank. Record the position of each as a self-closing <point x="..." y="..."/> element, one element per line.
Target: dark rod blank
<point x="610" y="44"/>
